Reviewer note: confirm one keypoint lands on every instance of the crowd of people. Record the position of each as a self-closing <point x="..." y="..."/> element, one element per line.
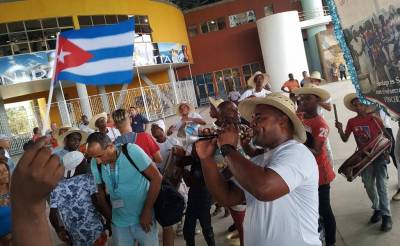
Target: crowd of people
<point x="265" y="159"/>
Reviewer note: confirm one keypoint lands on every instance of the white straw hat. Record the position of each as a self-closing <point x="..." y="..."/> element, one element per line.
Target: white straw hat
<point x="70" y="161"/>
<point x="278" y="101"/>
<point x="313" y="90"/>
<point x="92" y="122"/>
<point x="251" y="83"/>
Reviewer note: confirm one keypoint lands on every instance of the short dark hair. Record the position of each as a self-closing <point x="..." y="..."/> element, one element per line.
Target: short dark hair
<point x="100" y="138"/>
<point x="35" y="130"/>
<point x="119" y="116"/>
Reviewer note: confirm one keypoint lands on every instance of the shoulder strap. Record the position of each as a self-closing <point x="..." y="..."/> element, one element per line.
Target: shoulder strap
<point x="126" y="153"/>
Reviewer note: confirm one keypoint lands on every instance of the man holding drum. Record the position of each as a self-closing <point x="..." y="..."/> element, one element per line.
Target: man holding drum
<point x="365" y="128"/>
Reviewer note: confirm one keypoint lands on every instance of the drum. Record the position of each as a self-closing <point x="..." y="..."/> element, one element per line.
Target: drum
<point x="362" y="158"/>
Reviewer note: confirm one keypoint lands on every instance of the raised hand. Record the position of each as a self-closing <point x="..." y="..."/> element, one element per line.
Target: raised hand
<point x="36" y="175"/>
<point x="206" y="148"/>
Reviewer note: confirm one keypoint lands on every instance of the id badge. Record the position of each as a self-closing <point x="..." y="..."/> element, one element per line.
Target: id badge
<point x="117" y="203"/>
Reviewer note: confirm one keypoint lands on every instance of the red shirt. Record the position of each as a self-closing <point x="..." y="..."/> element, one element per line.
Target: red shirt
<point x="147" y="143"/>
<point x="365" y="129"/>
<point x="319" y="129"/>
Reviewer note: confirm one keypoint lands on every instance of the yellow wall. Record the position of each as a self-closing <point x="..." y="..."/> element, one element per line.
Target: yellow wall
<point x="166" y="20"/>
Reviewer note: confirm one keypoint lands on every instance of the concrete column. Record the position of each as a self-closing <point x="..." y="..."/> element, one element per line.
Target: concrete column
<point x="62" y="107"/>
<point x="104" y="99"/>
<point x="313" y="9"/>
<point x="282" y="47"/>
<point x="4" y="126"/>
<point x="84" y="99"/>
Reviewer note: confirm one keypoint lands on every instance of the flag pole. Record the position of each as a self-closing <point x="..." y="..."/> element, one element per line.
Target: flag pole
<point x="50" y="97"/>
<point x="146" y="109"/>
<point x="66" y="106"/>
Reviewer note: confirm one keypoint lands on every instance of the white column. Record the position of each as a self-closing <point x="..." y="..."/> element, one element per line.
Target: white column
<point x="282" y="47"/>
<point x="4" y="126"/>
<point x="84" y="99"/>
<point x="104" y="99"/>
<point x="62" y="107"/>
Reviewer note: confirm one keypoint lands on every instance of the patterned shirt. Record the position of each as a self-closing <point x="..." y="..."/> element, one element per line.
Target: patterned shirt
<point x="72" y="198"/>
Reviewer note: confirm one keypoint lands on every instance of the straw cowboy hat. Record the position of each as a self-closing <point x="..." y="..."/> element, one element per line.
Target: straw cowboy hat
<point x="191" y="108"/>
<point x="347" y="101"/>
<point x="278" y="101"/>
<point x="313" y="90"/>
<point x="92" y="122"/>
<point x="316" y="75"/>
<point x="84" y="135"/>
<point x="215" y="102"/>
<point x="251" y="83"/>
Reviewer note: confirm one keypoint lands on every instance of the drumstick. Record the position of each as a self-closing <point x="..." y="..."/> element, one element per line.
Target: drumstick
<point x="335" y="111"/>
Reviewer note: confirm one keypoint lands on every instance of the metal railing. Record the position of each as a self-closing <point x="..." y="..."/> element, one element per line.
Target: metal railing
<point x="311" y="14"/>
<point x="155" y="102"/>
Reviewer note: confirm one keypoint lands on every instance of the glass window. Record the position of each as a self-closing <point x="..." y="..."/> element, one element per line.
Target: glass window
<point x="246" y="70"/>
<point x="227" y="73"/>
<point x="18" y="37"/>
<point x="51" y="44"/>
<point x="146" y="29"/>
<point x="38" y="46"/>
<point x="200" y="79"/>
<point x="4" y="40"/>
<point x="65" y="21"/>
<point x="221" y="23"/>
<point x="33" y="25"/>
<point x="269" y="10"/>
<point x="16" y="26"/>
<point x="204" y="27"/>
<point x="192" y="30"/>
<point x="5" y="50"/>
<point x="111" y="19"/>
<point x="3" y="28"/>
<point x="212" y="26"/>
<point x="85" y="21"/>
<point x="20" y="48"/>
<point x="242" y="18"/>
<point x="255" y="67"/>
<point x="35" y="35"/>
<point x="122" y="18"/>
<point x="49" y="23"/>
<point x="98" y="20"/>
<point x="51" y="33"/>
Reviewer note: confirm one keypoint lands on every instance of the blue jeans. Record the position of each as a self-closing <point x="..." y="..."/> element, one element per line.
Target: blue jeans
<point x="126" y="236"/>
<point x="375" y="179"/>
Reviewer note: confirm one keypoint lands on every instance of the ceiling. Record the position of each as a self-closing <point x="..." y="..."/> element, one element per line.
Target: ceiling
<point x="190" y="4"/>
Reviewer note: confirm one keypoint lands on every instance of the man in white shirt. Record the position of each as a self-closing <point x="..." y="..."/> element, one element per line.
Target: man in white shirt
<point x="280" y="186"/>
<point x="258" y="82"/>
<point x="99" y="123"/>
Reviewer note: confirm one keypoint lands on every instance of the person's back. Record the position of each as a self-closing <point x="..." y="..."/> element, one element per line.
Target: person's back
<point x="73" y="199"/>
<point x="291" y="219"/>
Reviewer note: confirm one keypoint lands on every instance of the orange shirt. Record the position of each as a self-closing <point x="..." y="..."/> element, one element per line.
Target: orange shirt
<point x="291" y="84"/>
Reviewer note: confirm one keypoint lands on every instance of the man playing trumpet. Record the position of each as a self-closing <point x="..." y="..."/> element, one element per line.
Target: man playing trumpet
<point x="280" y="187"/>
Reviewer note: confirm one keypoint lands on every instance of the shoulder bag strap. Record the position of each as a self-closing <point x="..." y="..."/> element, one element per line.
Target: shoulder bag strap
<point x="126" y="153"/>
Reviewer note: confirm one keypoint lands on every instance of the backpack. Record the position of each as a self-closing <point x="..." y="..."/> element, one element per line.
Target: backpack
<point x="170" y="204"/>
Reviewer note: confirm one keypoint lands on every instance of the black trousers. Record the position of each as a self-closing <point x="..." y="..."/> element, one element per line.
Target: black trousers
<point x="199" y="206"/>
<point x="326" y="213"/>
<point x="343" y="74"/>
<point x="389" y="130"/>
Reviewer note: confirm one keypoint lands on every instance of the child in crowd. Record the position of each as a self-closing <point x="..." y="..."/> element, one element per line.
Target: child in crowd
<point x="365" y="128"/>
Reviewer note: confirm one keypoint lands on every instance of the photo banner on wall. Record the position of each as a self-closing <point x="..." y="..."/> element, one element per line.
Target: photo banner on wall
<point x="369" y="34"/>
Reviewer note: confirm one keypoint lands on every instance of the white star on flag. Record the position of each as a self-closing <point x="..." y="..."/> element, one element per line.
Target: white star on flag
<point x="62" y="55"/>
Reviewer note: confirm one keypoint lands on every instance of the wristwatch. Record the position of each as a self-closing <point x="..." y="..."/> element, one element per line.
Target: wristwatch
<point x="226" y="149"/>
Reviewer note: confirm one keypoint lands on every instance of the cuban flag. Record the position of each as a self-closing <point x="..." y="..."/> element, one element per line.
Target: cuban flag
<point x="96" y="55"/>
